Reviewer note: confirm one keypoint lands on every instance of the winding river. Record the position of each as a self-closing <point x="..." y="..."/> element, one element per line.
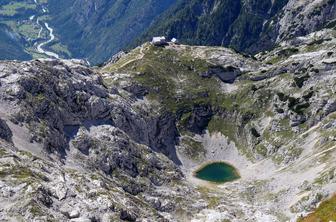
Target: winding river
<point x="51" y="36"/>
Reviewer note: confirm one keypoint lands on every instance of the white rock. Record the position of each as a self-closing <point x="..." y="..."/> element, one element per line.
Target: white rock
<point x="74" y="214"/>
<point x="81" y="219"/>
<point x="60" y="191"/>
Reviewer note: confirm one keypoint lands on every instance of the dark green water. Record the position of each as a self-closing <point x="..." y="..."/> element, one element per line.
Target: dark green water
<point x="217" y="172"/>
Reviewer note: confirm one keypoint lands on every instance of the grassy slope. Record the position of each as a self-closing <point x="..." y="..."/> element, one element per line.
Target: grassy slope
<point x="324" y="213"/>
<point x="173" y="80"/>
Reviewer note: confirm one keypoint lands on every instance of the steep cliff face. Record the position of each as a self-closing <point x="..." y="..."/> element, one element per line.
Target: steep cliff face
<point x="246" y="25"/>
<point x="301" y="18"/>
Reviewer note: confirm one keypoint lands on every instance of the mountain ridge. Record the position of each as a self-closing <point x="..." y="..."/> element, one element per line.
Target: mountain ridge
<point x="251" y="27"/>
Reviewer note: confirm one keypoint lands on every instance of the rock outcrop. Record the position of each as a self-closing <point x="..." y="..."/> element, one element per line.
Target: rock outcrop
<point x="5" y="132"/>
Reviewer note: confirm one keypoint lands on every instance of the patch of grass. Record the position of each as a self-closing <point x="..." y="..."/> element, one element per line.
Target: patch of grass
<point x="281" y="55"/>
<point x="312" y="48"/>
<point x="288" y="52"/>
<point x="22" y="173"/>
<point x="36" y="210"/>
<point x="13" y="8"/>
<point x="3" y="152"/>
<point x="226" y="127"/>
<point x="19" y="173"/>
<point x="28" y="30"/>
<point x="325" y="177"/>
<point x="213" y="201"/>
<point x="25" y="153"/>
<point x="61" y="49"/>
<point x="39" y="98"/>
<point x="261" y="149"/>
<point x="172" y="79"/>
<point x="274" y="60"/>
<point x="324" y="213"/>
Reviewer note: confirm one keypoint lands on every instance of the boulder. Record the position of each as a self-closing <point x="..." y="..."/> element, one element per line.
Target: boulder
<point x="69" y="211"/>
<point x="98" y="107"/>
<point x="74" y="214"/>
<point x="60" y="191"/>
<point x="83" y="143"/>
<point x="128" y="165"/>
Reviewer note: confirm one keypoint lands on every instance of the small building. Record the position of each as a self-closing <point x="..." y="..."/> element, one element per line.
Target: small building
<point x="159" y="41"/>
<point x="174" y="41"/>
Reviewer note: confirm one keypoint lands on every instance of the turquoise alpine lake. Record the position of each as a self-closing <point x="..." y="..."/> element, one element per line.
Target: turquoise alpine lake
<point x="217" y="172"/>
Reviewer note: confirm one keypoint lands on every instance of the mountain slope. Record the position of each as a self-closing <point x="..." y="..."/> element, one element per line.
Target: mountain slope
<point x="122" y="142"/>
<point x="11" y="45"/>
<point x="245" y="25"/>
<point x="28" y="22"/>
<point x="96" y="30"/>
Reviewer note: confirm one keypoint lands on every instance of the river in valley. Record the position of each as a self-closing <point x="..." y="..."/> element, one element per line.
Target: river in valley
<point x="45" y="26"/>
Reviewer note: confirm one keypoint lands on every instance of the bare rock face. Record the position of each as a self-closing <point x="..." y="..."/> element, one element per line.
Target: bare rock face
<point x="301" y="18"/>
<point x="75" y="95"/>
<point x="72" y="118"/>
<point x="158" y="132"/>
<point x="199" y="119"/>
<point x="126" y="216"/>
<point x="5" y="132"/>
<point x="329" y="107"/>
